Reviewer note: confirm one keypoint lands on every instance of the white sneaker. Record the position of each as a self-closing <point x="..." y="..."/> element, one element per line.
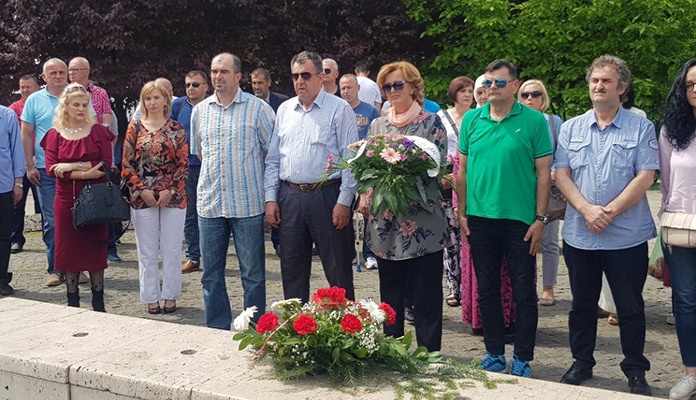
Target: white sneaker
<point x="684" y="389"/>
<point x="371" y="263"/>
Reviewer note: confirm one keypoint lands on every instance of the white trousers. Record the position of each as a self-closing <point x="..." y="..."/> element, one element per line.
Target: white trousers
<point x="159" y="231"/>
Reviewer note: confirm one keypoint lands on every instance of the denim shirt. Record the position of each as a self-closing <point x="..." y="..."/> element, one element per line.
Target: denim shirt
<point x="602" y="163"/>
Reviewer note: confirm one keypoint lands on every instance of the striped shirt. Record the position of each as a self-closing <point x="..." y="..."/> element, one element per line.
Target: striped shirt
<point x="231" y="142"/>
<point x="100" y="101"/>
<point x="303" y="140"/>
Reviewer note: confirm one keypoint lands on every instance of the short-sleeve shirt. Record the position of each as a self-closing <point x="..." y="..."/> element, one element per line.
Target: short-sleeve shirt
<point x="365" y="113"/>
<point x="369" y="91"/>
<point x="100" y="101"/>
<point x="501" y="176"/>
<point x="39" y="111"/>
<point x="602" y="163"/>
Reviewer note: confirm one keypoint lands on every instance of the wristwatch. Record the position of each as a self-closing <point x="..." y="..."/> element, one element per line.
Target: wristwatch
<point x="172" y="191"/>
<point x="20" y="185"/>
<point x="544" y="219"/>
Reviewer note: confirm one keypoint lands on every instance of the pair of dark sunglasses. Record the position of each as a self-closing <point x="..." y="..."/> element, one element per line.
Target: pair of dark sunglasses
<point x="499" y="83"/>
<point x="396" y="86"/>
<point x="194" y="84"/>
<point x="534" y="95"/>
<point x="304" y="75"/>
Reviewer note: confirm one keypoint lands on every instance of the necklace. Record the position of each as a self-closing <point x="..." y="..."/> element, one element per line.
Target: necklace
<point x="73" y="131"/>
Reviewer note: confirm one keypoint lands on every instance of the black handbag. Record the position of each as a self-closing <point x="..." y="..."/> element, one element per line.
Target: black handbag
<point x="99" y="203"/>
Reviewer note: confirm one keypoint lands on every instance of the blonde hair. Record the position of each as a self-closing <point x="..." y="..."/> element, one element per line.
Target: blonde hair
<point x="149" y="88"/>
<point x="70" y="93"/>
<point x="410" y="74"/>
<point x="545" y="103"/>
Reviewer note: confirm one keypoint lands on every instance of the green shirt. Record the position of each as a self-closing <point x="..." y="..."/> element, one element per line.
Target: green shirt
<point x="501" y="175"/>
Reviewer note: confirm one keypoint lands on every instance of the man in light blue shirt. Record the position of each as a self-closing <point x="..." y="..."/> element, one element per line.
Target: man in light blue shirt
<point x="11" y="189"/>
<point x="308" y="129"/>
<point x="229" y="133"/>
<point x="37" y="119"/>
<point x="605" y="162"/>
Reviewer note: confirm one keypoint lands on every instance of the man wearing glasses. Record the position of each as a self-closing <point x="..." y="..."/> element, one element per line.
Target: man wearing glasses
<point x="306" y="208"/>
<point x="196" y="90"/>
<point x="230" y="131"/>
<point x="504" y="182"/>
<point x="329" y="84"/>
<point x="78" y="72"/>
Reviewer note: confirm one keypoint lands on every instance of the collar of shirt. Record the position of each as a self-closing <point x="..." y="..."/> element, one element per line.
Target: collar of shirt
<point x="319" y="101"/>
<point x="486" y="112"/>
<point x="238" y="98"/>
<point x="616" y="122"/>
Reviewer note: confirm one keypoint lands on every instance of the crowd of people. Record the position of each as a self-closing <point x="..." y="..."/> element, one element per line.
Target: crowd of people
<point x="223" y="163"/>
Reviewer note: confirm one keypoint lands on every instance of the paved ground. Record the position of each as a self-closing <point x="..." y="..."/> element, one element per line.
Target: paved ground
<point x="552" y="353"/>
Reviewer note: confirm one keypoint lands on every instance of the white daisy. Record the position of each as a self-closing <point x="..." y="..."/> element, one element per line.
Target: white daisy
<point x="241" y="323"/>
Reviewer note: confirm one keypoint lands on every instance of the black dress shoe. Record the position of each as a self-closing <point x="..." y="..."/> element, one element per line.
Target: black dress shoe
<point x="639" y="385"/>
<point x="576" y="375"/>
<point x="6" y="289"/>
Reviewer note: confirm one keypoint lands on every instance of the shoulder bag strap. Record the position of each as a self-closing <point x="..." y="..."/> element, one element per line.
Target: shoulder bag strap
<point x="451" y="121"/>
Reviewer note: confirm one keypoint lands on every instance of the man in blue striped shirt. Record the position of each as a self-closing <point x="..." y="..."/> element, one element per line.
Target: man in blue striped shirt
<point x="308" y="130"/>
<point x="229" y="133"/>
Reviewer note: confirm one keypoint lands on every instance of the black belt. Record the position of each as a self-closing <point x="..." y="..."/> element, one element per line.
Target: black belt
<point x="308" y="187"/>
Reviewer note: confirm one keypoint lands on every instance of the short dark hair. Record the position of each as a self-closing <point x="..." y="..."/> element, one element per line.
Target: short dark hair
<point x="304" y="56"/>
<point x="458" y="84"/>
<point x="28" y="77"/>
<point x="198" y="72"/>
<point x="500" y="63"/>
<point x="262" y="71"/>
<point x="363" y="67"/>
<point x="621" y="69"/>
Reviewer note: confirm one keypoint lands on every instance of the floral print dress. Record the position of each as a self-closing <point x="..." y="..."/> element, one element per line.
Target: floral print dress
<point x="424" y="230"/>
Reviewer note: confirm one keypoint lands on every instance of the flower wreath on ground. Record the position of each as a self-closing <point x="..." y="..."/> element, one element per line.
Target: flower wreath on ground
<point x="330" y="335"/>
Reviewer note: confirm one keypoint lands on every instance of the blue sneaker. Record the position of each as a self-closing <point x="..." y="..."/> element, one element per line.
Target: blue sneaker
<point x="520" y="368"/>
<point x="493" y="363"/>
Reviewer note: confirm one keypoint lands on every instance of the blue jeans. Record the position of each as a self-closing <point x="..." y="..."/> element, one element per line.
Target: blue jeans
<point x="249" y="245"/>
<point x="47" y="194"/>
<point x="682" y="270"/>
<point x="193" y="250"/>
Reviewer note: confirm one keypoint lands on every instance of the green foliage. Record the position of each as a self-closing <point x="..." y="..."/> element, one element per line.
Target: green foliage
<point x="556" y="41"/>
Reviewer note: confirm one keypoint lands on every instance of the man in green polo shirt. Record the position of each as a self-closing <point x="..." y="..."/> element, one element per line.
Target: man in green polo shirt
<point x="503" y="185"/>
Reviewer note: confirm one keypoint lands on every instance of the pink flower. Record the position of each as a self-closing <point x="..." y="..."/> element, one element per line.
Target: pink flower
<point x="369" y="153"/>
<point x="388" y="215"/>
<point x="329" y="164"/>
<point x="404" y="157"/>
<point x="408" y="228"/>
<point x="390" y="155"/>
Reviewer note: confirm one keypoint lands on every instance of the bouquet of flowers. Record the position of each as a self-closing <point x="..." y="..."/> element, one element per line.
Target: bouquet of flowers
<point x="330" y="334"/>
<point x="393" y="167"/>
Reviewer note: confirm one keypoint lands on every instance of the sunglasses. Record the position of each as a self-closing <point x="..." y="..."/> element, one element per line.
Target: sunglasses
<point x="327" y="71"/>
<point x="396" y="86"/>
<point x="194" y="84"/>
<point x="305" y="76"/>
<point x="74" y="89"/>
<point x="499" y="83"/>
<point x="534" y="95"/>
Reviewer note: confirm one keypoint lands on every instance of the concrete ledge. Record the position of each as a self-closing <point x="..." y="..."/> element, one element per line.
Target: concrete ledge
<point x="52" y="352"/>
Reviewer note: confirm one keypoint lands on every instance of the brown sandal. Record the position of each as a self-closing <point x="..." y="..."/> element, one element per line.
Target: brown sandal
<point x="154" y="308"/>
<point x="452" y="300"/>
<point x="169" y="310"/>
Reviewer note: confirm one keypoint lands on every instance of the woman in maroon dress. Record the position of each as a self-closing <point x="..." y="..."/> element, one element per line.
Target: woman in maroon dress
<point x="76" y="148"/>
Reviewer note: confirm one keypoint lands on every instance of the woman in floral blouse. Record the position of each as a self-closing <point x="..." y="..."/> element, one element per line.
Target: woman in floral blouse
<point x="155" y="168"/>
<point x="409" y="247"/>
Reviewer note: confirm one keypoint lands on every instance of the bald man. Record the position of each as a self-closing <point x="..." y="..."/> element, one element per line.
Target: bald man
<point x="78" y="72"/>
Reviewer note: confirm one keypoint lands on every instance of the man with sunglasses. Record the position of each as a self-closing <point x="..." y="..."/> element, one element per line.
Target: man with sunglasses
<point x="196" y="90"/>
<point x="300" y="201"/>
<point x="230" y="131"/>
<point x="605" y="162"/>
<point x="504" y="181"/>
<point x="330" y="76"/>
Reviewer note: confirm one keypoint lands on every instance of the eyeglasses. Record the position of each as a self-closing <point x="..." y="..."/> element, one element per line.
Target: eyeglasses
<point x="194" y="84"/>
<point x="499" y="83"/>
<point x="305" y="76"/>
<point x="535" y="95"/>
<point x="76" y="69"/>
<point x="396" y="86"/>
<point x="327" y="71"/>
<point x="690" y="86"/>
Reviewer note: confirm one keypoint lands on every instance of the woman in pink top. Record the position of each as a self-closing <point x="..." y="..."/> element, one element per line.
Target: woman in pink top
<point x="678" y="187"/>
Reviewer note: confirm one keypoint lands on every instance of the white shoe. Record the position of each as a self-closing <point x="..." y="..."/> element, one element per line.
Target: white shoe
<point x="371" y="263"/>
<point x="684" y="389"/>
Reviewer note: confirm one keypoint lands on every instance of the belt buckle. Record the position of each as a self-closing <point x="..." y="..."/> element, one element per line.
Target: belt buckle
<point x="306" y="187"/>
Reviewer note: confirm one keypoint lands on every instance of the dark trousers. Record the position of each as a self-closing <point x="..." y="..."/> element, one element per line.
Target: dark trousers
<point x="419" y="279"/>
<point x="490" y="240"/>
<point x="18" y="212"/>
<point x="626" y="270"/>
<point x="306" y="217"/>
<point x="6" y="212"/>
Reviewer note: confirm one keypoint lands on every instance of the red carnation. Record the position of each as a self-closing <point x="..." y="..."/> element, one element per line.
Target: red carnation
<point x="305" y="325"/>
<point x="389" y="311"/>
<point x="332" y="296"/>
<point x="267" y="323"/>
<point x="351" y="324"/>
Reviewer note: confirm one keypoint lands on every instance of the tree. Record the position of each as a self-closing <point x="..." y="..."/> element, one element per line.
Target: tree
<point x="556" y="41"/>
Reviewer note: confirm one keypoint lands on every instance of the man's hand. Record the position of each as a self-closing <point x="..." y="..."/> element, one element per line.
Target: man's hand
<point x="340" y="216"/>
<point x="597" y="218"/>
<point x="17" y="194"/>
<point x="463" y="226"/>
<point x="534" y="233"/>
<point x="273" y="214"/>
<point x="34" y="176"/>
